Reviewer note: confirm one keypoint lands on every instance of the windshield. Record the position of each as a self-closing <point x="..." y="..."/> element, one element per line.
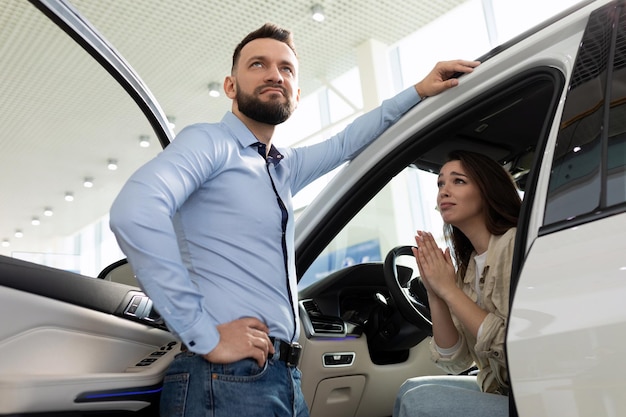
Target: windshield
<point x="406" y="204"/>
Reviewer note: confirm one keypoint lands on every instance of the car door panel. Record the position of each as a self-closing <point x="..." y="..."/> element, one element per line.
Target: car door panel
<point x="565" y="338"/>
<point x="70" y="354"/>
<point x="70" y="342"/>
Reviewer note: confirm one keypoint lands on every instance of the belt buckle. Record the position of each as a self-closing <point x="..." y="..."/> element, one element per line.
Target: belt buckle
<point x="293" y="356"/>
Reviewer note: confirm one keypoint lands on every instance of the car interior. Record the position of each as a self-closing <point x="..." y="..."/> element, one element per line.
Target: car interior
<point x="373" y="316"/>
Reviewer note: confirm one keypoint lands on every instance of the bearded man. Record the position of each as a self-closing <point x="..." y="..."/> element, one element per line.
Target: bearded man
<point x="208" y="228"/>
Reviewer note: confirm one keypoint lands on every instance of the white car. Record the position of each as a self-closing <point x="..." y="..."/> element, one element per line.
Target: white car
<point x="550" y="105"/>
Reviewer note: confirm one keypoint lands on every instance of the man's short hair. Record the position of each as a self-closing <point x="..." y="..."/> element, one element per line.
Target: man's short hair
<point x="268" y="30"/>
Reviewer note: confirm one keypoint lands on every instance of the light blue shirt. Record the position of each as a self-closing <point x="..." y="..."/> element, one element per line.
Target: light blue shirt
<point x="201" y="225"/>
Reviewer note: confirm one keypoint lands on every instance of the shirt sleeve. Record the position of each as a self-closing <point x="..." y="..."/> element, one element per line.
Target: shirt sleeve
<point x="141" y="218"/>
<point x="448" y="352"/>
<point x="459" y="361"/>
<point x="310" y="162"/>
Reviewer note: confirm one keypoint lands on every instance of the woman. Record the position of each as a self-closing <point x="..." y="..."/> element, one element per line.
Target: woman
<point x="469" y="304"/>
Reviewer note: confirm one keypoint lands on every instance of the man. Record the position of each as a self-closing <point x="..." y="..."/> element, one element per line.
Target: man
<point x="209" y="231"/>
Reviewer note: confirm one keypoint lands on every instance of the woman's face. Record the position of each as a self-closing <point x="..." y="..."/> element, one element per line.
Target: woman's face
<point x="459" y="200"/>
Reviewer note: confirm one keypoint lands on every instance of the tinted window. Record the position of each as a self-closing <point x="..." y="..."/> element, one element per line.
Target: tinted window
<point x="588" y="167"/>
<point x="616" y="157"/>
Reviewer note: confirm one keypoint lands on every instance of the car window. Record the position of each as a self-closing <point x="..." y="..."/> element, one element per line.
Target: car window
<point x="616" y="137"/>
<point x="589" y="167"/>
<point x="407" y="203"/>
<point x="65" y="120"/>
<point x="507" y="123"/>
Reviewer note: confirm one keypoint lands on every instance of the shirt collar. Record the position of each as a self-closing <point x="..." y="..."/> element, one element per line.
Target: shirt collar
<point x="245" y="138"/>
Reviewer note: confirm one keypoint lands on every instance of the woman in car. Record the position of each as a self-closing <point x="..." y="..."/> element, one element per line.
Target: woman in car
<point x="469" y="303"/>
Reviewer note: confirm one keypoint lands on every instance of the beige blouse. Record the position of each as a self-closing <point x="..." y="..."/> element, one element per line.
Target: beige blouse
<point x="488" y="351"/>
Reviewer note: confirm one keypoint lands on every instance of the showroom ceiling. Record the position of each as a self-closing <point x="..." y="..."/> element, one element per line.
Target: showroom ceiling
<point x="177" y="47"/>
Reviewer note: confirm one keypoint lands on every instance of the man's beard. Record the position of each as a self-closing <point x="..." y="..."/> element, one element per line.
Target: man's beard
<point x="271" y="113"/>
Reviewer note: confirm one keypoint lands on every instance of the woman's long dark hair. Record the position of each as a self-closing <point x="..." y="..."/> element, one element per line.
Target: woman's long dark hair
<point x="500" y="198"/>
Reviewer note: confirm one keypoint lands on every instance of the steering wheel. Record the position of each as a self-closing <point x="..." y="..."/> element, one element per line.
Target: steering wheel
<point x="409" y="296"/>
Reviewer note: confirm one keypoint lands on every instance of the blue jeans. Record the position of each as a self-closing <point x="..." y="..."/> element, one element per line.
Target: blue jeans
<point x="194" y="387"/>
<point x="443" y="396"/>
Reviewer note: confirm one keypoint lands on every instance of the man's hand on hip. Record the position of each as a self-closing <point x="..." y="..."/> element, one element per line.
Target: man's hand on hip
<point x="240" y="339"/>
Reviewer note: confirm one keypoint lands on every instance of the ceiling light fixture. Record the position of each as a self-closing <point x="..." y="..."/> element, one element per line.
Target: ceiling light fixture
<point x="69" y="196"/>
<point x="214" y="89"/>
<point x="35" y="221"/>
<point x="18" y="233"/>
<point x="88" y="182"/>
<point x="171" y="122"/>
<point x="144" y="141"/>
<point x="112" y="164"/>
<point x="5" y="243"/>
<point x="317" y="13"/>
<point x="48" y="212"/>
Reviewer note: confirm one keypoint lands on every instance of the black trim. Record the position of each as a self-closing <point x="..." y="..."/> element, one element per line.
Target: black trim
<point x="531" y="188"/>
<point x="80" y="290"/>
<point x="112" y="267"/>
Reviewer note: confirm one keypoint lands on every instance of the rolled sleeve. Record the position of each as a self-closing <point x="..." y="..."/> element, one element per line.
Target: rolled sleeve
<point x="490" y="343"/>
<point x="459" y="361"/>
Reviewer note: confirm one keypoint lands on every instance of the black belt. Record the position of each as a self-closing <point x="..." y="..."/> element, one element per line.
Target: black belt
<point x="288" y="352"/>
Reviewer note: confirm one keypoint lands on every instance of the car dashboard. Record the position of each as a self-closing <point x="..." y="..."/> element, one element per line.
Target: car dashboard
<point x="357" y="347"/>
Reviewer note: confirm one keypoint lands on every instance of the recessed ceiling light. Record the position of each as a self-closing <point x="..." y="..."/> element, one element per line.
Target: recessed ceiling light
<point x="5" y="243"/>
<point x="112" y="164"/>
<point x="88" y="182"/>
<point x="144" y="141"/>
<point x="69" y="196"/>
<point x="317" y="13"/>
<point x="18" y="233"/>
<point x="48" y="212"/>
<point x="214" y="89"/>
<point x="35" y="221"/>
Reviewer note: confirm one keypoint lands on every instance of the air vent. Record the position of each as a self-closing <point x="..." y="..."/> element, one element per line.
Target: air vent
<point x="317" y="324"/>
<point x="311" y="307"/>
<point x="332" y="325"/>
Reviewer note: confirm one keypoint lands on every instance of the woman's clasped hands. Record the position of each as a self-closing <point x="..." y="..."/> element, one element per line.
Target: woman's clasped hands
<point x="435" y="265"/>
